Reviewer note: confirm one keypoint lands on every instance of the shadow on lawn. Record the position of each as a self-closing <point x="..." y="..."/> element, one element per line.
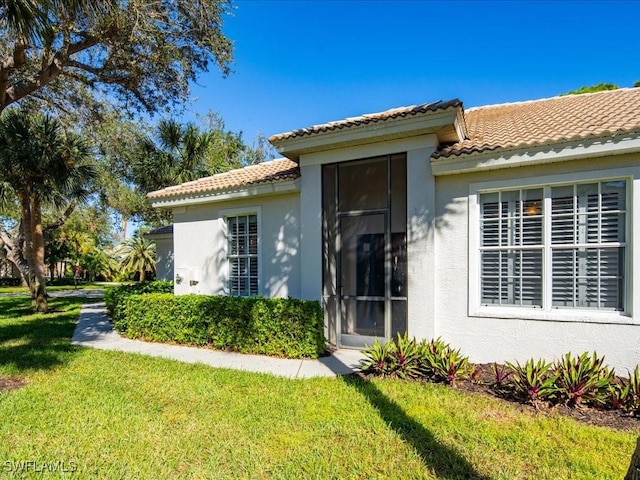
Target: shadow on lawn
<point x="36" y="342"/>
<point x="443" y="461"/>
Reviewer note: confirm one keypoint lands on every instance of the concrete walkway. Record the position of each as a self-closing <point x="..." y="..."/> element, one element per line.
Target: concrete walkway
<point x="94" y="329"/>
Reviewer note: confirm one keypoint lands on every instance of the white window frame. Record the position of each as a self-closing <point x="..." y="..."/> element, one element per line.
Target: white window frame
<point x="224" y="247"/>
<point x="632" y="264"/>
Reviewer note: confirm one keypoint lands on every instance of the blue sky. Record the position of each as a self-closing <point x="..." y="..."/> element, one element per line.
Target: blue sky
<point x="299" y="63"/>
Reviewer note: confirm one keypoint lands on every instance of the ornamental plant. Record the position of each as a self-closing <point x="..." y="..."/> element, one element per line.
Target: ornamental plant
<point x="378" y="359"/>
<point x="626" y="395"/>
<point x="583" y="380"/>
<point x="406" y="357"/>
<point x="534" y="381"/>
<point x="501" y="374"/>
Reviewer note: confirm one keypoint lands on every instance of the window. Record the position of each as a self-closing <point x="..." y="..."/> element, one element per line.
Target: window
<point x="242" y="254"/>
<point x="554" y="247"/>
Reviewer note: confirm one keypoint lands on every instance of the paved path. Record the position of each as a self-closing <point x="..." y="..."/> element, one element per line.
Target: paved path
<point x="94" y="329"/>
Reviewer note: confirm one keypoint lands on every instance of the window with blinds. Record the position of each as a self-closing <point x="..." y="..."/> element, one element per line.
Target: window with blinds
<point x="554" y="247"/>
<point x="242" y="254"/>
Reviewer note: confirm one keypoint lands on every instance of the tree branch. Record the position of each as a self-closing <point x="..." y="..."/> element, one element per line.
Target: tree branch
<point x="52" y="69"/>
<point x="63" y="218"/>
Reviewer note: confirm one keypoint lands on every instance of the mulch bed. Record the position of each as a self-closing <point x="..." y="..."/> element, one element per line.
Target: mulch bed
<point x="482" y="385"/>
<point x="592" y="416"/>
<point x="11" y="383"/>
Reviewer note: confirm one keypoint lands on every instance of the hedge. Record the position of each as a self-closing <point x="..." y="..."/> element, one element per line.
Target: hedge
<point x="114" y="296"/>
<point x="270" y="326"/>
<point x="10" y="282"/>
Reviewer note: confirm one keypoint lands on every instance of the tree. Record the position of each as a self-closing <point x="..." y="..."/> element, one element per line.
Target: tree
<point x="600" y="87"/>
<point x="77" y="55"/>
<point x="176" y="155"/>
<point x="138" y="255"/>
<point x="40" y="164"/>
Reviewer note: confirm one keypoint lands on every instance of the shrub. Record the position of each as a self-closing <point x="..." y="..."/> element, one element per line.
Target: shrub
<point x="626" y="395"/>
<point x="378" y="360"/>
<point x="583" y="379"/>
<point x="534" y="380"/>
<point x="405" y="358"/>
<point x="114" y="298"/>
<point x="450" y="366"/>
<point x="10" y="282"/>
<point x="272" y="326"/>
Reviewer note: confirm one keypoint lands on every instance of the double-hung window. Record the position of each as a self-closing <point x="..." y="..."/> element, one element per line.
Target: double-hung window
<point x="242" y="254"/>
<point x="554" y="247"/>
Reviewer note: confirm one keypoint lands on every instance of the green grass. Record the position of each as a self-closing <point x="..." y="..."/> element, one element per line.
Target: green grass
<point x="118" y="415"/>
<point x="54" y="288"/>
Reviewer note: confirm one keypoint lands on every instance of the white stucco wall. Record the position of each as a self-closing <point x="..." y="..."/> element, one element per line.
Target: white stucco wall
<point x="200" y="245"/>
<point x="499" y="339"/>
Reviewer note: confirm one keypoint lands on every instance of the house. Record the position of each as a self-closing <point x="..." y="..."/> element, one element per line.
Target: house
<point x="163" y="238"/>
<point x="512" y="231"/>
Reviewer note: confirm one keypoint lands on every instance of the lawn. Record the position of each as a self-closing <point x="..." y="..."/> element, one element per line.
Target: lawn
<point x="118" y="415"/>
<point x="56" y="288"/>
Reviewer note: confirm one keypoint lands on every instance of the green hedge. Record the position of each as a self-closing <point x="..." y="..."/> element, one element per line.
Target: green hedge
<point x="10" y="282"/>
<point x="114" y="297"/>
<point x="270" y="326"/>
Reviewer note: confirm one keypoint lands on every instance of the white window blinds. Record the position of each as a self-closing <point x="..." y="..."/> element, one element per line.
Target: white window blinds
<point x="242" y="254"/>
<point x="580" y="227"/>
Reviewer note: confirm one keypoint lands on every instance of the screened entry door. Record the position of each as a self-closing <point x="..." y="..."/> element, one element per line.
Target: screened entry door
<point x="364" y="214"/>
<point x="363" y="288"/>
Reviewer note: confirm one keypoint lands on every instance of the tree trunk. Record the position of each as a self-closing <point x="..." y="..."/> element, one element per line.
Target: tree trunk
<point x="124" y="220"/>
<point x="39" y="269"/>
<point x="27" y="226"/>
<point x="634" y="468"/>
<point x="142" y="275"/>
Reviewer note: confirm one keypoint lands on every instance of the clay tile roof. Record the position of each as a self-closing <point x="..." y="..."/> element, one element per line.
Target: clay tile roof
<point x="548" y="121"/>
<point x="273" y="171"/>
<point x="368" y="118"/>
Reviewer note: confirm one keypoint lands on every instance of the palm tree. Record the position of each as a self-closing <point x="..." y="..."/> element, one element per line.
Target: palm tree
<point x="178" y="154"/>
<point x="138" y="255"/>
<point x="40" y="164"/>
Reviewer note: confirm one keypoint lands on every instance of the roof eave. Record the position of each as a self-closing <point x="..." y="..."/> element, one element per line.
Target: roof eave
<point x="280" y="187"/>
<point x="382" y="130"/>
<point x="536" y="155"/>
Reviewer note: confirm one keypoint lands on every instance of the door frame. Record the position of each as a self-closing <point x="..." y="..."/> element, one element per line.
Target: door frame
<point x="340" y="295"/>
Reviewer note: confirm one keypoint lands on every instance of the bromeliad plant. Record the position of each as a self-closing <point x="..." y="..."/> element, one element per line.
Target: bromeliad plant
<point x="626" y="395"/>
<point x="450" y="366"/>
<point x="534" y="381"/>
<point x="405" y="358"/>
<point x="378" y="359"/>
<point x="583" y="380"/>
<point x="501" y="374"/>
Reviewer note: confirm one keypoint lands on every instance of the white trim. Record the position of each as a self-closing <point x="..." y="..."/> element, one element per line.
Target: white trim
<point x="275" y="188"/>
<point x="535" y="155"/>
<point x="632" y="298"/>
<point x="236" y="212"/>
<point x="374" y="131"/>
<point x="426" y="142"/>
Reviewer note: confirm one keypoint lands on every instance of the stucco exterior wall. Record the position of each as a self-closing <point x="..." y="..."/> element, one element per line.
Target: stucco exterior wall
<point x="200" y="245"/>
<point x="499" y="339"/>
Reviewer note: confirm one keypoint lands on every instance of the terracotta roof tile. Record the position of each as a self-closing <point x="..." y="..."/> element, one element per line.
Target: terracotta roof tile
<point x="273" y="171"/>
<point x="368" y="118"/>
<point x="548" y="121"/>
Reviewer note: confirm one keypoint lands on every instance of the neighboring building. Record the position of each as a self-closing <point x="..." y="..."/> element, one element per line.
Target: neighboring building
<point x="512" y="231"/>
<point x="163" y="238"/>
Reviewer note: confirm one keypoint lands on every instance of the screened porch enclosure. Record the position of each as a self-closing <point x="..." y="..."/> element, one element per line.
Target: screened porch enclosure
<point x="364" y="250"/>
